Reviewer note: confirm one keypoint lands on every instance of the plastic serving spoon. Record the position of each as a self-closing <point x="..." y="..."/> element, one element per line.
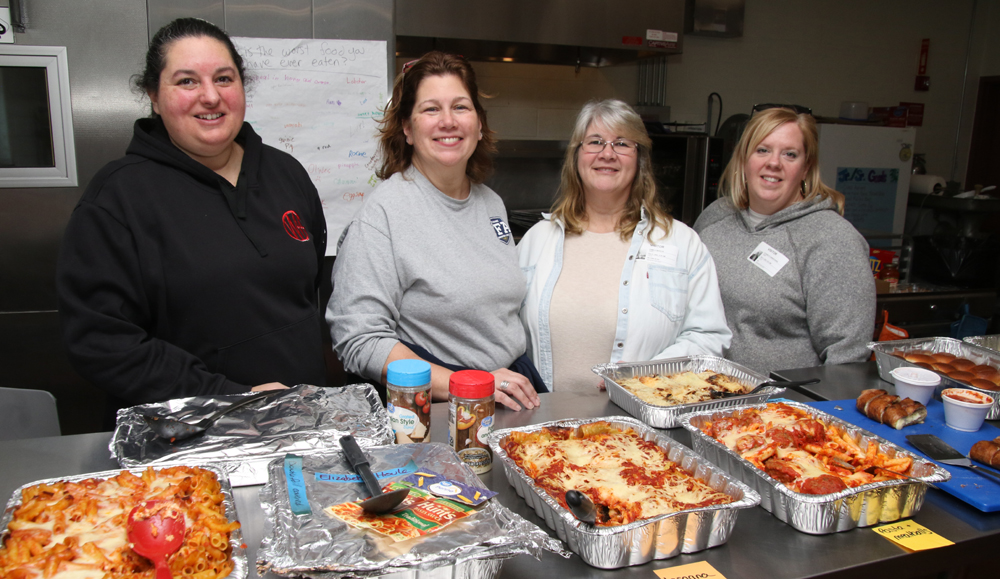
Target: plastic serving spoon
<point x="763" y="385"/>
<point x="581" y="506"/>
<point x="156" y="529"/>
<point x="380" y="502"/>
<point x="175" y="430"/>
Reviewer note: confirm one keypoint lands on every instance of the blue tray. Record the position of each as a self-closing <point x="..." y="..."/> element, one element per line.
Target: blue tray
<point x="982" y="492"/>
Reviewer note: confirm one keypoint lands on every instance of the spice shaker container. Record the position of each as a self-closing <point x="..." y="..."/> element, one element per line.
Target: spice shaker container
<point x="470" y="417"/>
<point x="408" y="385"/>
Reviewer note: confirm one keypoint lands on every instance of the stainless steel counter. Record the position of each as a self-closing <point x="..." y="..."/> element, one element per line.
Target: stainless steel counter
<point x="760" y="546"/>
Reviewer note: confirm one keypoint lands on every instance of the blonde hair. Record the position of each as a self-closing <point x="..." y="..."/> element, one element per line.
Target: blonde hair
<point x="762" y="124"/>
<point x="570" y="204"/>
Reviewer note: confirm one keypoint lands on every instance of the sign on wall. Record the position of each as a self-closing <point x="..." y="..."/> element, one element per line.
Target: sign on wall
<point x="318" y="100"/>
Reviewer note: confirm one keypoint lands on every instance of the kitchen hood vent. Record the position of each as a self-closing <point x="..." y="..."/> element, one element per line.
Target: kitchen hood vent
<point x="573" y="32"/>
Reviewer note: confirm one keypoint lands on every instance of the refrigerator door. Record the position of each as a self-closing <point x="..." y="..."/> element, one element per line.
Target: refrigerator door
<point x="871" y="167"/>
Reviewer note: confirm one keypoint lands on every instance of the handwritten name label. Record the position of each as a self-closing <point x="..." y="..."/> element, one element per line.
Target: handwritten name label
<point x="911" y="536"/>
<point x="699" y="570"/>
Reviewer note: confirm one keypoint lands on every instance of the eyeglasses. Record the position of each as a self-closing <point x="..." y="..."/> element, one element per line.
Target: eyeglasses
<point x="797" y="108"/>
<point x="595" y="145"/>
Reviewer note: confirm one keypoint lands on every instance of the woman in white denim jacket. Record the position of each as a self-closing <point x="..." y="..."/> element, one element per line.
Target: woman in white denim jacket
<point x="611" y="277"/>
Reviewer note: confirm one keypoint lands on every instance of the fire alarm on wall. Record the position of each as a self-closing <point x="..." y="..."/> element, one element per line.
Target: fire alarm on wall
<point x="923" y="82"/>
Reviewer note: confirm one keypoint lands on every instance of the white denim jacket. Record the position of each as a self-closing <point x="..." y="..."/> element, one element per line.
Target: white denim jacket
<point x="668" y="301"/>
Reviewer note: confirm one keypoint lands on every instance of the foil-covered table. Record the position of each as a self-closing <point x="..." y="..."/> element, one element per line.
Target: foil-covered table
<point x="306" y="419"/>
<point x="317" y="545"/>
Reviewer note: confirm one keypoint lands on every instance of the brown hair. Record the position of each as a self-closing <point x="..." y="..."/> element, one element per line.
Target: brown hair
<point x="761" y="125"/>
<point x="395" y="155"/>
<point x="570" y="204"/>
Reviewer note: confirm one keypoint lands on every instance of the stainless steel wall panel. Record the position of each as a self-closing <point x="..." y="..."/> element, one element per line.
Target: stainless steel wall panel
<point x="276" y="19"/>
<point x="358" y="20"/>
<point x="164" y="11"/>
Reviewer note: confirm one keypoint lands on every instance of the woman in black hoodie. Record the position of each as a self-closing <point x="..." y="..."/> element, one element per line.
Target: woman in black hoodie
<point x="191" y="265"/>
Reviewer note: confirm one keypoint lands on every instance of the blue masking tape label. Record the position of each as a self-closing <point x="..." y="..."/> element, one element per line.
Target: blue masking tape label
<point x="296" y="484"/>
<point x="410" y="468"/>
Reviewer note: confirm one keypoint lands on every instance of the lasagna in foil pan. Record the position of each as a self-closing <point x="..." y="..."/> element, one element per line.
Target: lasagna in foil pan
<point x="862" y="506"/>
<point x="669" y="416"/>
<point x="888" y="361"/>
<point x="660" y="537"/>
<point x="302" y="420"/>
<point x="239" y="555"/>
<point x="992" y="342"/>
<point x="317" y="545"/>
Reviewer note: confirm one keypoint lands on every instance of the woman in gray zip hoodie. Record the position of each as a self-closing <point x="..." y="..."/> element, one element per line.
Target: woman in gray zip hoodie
<point x="794" y="274"/>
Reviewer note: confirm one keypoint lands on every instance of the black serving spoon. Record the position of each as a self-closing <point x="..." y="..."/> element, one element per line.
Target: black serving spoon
<point x="380" y="502"/>
<point x="175" y="430"/>
<point x="762" y="385"/>
<point x="581" y="506"/>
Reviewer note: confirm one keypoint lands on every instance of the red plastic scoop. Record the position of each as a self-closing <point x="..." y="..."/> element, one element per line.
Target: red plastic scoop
<point x="156" y="529"/>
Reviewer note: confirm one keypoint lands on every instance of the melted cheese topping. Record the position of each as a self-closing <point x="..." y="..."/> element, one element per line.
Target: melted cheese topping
<point x="77" y="530"/>
<point x="683" y="388"/>
<point x="628" y="478"/>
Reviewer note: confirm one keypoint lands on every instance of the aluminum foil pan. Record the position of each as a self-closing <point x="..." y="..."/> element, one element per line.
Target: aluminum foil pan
<point x="863" y="506"/>
<point x="980" y="355"/>
<point x="239" y="554"/>
<point x="303" y="420"/>
<point x="669" y="416"/>
<point x="316" y="545"/>
<point x="639" y="542"/>
<point x="992" y="342"/>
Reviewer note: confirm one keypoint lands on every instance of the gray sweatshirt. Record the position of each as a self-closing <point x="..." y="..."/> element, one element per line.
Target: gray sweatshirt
<point x="418" y="266"/>
<point x="817" y="308"/>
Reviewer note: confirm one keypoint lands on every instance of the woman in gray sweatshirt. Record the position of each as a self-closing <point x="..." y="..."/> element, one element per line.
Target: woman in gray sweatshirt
<point x="794" y="274"/>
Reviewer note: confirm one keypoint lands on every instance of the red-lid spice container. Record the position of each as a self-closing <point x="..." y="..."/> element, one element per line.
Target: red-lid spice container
<point x="470" y="417"/>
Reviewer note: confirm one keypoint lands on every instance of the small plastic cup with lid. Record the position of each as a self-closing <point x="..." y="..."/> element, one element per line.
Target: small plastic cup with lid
<point x="408" y="385"/>
<point x="471" y="407"/>
<point x="915" y="383"/>
<point x="965" y="410"/>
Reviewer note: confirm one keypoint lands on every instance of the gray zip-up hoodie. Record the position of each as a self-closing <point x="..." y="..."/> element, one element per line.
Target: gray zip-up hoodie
<point x="816" y="308"/>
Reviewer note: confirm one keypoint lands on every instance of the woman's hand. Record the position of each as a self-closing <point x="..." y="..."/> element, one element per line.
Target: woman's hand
<point x="269" y="386"/>
<point x="512" y="388"/>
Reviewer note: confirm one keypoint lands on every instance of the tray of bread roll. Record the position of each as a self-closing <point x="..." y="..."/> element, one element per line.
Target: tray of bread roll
<point x="960" y="365"/>
<point x="980" y="491"/>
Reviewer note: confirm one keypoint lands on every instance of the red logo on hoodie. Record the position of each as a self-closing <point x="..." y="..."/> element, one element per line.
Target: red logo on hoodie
<point x="293" y="226"/>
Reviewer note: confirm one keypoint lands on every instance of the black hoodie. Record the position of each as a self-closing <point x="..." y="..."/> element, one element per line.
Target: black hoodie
<point x="174" y="283"/>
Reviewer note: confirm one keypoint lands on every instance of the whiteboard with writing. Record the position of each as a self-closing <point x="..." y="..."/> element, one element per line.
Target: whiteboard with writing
<point x="318" y="100"/>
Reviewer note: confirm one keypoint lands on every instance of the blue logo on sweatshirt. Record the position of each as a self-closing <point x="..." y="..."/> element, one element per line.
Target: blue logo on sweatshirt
<point x="501" y="229"/>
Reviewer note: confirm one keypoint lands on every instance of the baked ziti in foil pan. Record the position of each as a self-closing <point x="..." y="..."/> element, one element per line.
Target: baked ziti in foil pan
<point x="983" y="375"/>
<point x="658" y="537"/>
<point x="861" y="506"/>
<point x="114" y="534"/>
<point x="302" y="420"/>
<point x="659" y="416"/>
<point x="316" y="544"/>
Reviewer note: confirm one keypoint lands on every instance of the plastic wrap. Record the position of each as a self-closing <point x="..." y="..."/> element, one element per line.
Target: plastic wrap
<point x="303" y="420"/>
<point x="659" y="537"/>
<point x="978" y="354"/>
<point x="863" y="506"/>
<point x="239" y="555"/>
<point x="317" y="545"/>
<point x="669" y="416"/>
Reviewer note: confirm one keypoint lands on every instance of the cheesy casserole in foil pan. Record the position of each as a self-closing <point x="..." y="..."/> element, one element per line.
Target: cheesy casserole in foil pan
<point x="669" y="416"/>
<point x="315" y="544"/>
<point x="862" y="506"/>
<point x="888" y="360"/>
<point x="238" y="549"/>
<point x="659" y="537"/>
<point x="302" y="420"/>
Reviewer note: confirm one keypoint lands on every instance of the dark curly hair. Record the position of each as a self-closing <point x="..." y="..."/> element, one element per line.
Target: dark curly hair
<point x="394" y="153"/>
<point x="148" y="81"/>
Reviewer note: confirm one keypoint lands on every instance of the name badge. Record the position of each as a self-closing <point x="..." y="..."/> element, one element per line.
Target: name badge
<point x="767" y="258"/>
<point x="665" y="255"/>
